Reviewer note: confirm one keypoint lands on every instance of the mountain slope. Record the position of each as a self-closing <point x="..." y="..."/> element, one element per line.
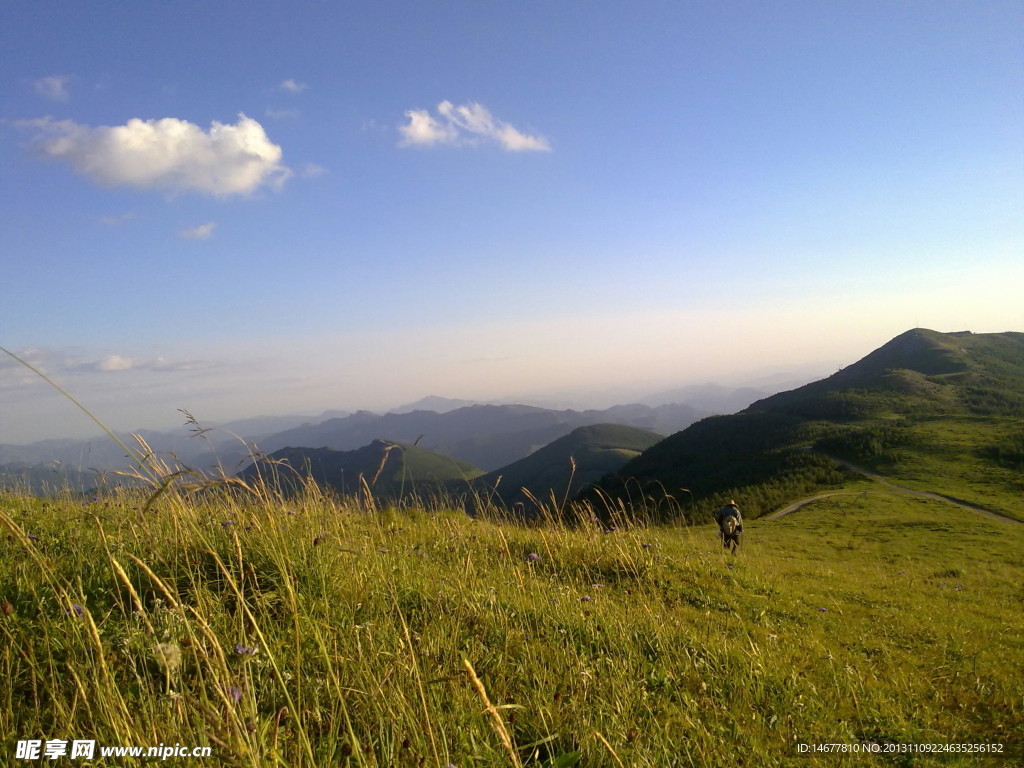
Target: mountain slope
<point x="940" y="411"/>
<point x="566" y="465"/>
<point x="388" y="468"/>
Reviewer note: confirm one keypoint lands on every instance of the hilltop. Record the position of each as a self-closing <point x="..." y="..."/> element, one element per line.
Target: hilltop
<point x="941" y="411"/>
<point x="385" y="468"/>
<point x="562" y="468"/>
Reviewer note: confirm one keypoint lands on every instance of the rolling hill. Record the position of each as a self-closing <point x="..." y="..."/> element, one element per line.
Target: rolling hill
<point x="562" y="468"/>
<point x="389" y="469"/>
<point x="942" y="412"/>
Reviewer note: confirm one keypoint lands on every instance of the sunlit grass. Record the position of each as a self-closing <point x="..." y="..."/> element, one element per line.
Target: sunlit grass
<point x="950" y="458"/>
<point x="321" y="632"/>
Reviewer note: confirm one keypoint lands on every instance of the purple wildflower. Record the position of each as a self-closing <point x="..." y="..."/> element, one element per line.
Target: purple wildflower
<point x="227" y="523"/>
<point x="235" y="693"/>
<point x="533" y="557"/>
<point x="244" y="650"/>
<point x="822" y="610"/>
<point x="586" y="599"/>
<point x="77" y="610"/>
<point x="32" y="537"/>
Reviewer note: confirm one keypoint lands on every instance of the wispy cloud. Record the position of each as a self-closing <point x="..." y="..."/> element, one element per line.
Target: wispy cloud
<point x="202" y="232"/>
<point x="312" y="170"/>
<point x="465" y="125"/>
<point x="113" y="221"/>
<point x="282" y="114"/>
<point x="292" y="86"/>
<point x="169" y="154"/>
<point x="59" y="364"/>
<point x="113" y="363"/>
<point x="54" y="87"/>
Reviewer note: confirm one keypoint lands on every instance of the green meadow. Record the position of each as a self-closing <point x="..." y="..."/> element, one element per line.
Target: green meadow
<point x="318" y="632"/>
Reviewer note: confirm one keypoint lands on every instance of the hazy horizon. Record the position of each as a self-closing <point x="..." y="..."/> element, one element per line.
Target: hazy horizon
<point x="58" y="418"/>
<point x="262" y="208"/>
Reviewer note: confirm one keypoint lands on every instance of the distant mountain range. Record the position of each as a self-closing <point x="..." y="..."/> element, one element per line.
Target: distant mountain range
<point x="555" y="473"/>
<point x="79" y="464"/>
<point x="942" y="412"/>
<point x="486" y="436"/>
<point x="435" y="404"/>
<point x="710" y="398"/>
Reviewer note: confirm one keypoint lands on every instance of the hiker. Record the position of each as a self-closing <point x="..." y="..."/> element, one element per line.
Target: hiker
<point x="730" y="524"/>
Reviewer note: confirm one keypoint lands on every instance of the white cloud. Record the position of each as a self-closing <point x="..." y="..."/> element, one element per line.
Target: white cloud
<point x="54" y="87"/>
<point x="423" y="129"/>
<point x="465" y="124"/>
<point x="59" y="363"/>
<point x="202" y="232"/>
<point x="169" y="154"/>
<point x="292" y="86"/>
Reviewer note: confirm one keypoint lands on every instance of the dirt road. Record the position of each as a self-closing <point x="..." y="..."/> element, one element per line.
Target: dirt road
<point x="891" y="488"/>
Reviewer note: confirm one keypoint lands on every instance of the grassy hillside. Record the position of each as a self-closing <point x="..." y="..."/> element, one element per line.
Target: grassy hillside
<point x="941" y="412"/>
<point x="566" y="465"/>
<point x="313" y="634"/>
<point x="386" y="468"/>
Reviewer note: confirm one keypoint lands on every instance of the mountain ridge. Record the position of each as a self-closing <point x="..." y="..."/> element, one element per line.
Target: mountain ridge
<point x="940" y="409"/>
<point x="485" y="435"/>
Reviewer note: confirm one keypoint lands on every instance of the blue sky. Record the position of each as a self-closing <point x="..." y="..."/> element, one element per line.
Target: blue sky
<point x="250" y="207"/>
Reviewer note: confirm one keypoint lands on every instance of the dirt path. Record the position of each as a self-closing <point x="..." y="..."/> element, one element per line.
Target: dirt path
<point x="892" y="488"/>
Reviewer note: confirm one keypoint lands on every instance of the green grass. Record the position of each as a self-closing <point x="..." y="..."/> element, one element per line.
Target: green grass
<point x="954" y="456"/>
<point x="862" y="617"/>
